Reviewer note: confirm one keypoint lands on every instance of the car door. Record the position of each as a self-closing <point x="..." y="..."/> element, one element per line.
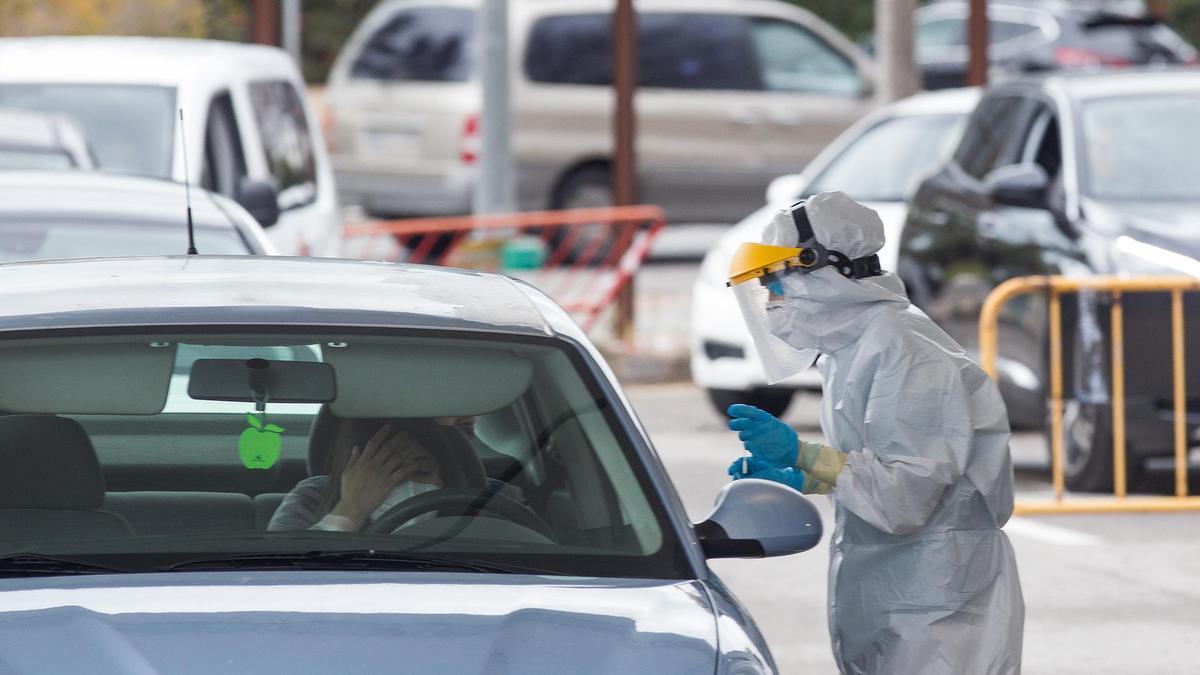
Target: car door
<point x="812" y="92"/>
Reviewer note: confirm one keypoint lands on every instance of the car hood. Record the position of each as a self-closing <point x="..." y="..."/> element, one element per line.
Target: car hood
<point x="300" y="622"/>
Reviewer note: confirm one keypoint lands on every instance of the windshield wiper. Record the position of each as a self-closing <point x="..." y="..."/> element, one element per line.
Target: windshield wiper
<point x="363" y="559"/>
<point x="37" y="565"/>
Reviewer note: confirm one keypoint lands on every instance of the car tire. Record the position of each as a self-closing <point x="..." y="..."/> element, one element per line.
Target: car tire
<point x="586" y="187"/>
<point x="771" y="399"/>
<point x="1088" y="447"/>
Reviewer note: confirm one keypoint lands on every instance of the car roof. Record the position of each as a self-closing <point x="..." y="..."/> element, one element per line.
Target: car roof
<point x="264" y="291"/>
<point x="133" y="60"/>
<point x="1134" y="81"/>
<point x="97" y="196"/>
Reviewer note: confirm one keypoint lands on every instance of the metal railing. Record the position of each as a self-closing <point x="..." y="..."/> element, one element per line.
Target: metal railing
<point x="1056" y="287"/>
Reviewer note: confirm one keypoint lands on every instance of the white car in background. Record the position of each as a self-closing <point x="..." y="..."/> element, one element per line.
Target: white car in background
<point x="250" y="134"/>
<point x="877" y="161"/>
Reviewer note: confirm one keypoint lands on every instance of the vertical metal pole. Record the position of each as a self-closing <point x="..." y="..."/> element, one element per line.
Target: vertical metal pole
<point x="624" y="168"/>
<point x="1056" y="398"/>
<point x="494" y="187"/>
<point x="977" y="44"/>
<point x="894" y="30"/>
<point x="1177" y="366"/>
<point x="264" y="22"/>
<point x="1118" y="397"/>
<point x="291" y="29"/>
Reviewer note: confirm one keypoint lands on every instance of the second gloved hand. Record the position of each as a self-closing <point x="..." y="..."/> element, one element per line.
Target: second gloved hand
<point x="752" y="467"/>
<point x="765" y="436"/>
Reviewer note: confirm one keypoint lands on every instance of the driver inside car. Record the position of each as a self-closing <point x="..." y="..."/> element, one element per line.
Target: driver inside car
<point x="366" y="480"/>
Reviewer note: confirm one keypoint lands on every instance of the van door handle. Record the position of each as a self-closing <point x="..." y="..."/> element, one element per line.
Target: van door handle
<point x="938" y="218"/>
<point x="788" y="118"/>
<point x="746" y="117"/>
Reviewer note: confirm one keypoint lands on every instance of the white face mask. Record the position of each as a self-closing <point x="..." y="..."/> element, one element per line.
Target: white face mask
<point x="404" y="491"/>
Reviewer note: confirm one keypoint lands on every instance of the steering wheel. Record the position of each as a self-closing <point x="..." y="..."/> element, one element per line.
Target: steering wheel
<point x="459" y="501"/>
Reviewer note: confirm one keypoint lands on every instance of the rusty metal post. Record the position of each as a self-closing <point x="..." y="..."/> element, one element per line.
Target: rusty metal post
<point x="264" y="22"/>
<point x="624" y="167"/>
<point x="977" y="44"/>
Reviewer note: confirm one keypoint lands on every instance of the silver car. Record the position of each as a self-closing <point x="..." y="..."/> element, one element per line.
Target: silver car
<point x="176" y="427"/>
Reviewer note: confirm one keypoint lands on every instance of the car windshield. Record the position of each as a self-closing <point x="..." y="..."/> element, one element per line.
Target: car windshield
<point x="26" y="239"/>
<point x="130" y="128"/>
<point x="887" y="160"/>
<point x="1141" y="148"/>
<point x="182" y="450"/>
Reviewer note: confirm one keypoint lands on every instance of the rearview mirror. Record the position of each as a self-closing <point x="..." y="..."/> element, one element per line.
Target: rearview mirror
<point x="1021" y="185"/>
<point x="260" y="380"/>
<point x="757" y="519"/>
<point x="260" y="199"/>
<point x="786" y="188"/>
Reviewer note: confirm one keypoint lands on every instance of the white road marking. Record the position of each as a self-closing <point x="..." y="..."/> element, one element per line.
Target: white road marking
<point x="1050" y="534"/>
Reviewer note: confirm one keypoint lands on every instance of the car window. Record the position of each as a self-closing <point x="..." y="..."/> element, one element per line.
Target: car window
<point x="219" y="443"/>
<point x="34" y="158"/>
<point x="224" y="160"/>
<point x="1001" y="31"/>
<point x="130" y="128"/>
<point x="792" y="58"/>
<point x="677" y="51"/>
<point x="991" y="138"/>
<point x="1124" y="158"/>
<point x="941" y="33"/>
<point x="286" y="141"/>
<point x="431" y="44"/>
<point x="1042" y="146"/>
<point x="26" y="239"/>
<point x="887" y="160"/>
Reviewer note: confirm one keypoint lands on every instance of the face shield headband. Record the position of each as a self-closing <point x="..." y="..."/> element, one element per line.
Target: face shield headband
<point x="813" y="255"/>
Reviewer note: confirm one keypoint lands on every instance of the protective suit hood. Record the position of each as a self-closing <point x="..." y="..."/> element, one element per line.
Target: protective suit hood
<point x="823" y="310"/>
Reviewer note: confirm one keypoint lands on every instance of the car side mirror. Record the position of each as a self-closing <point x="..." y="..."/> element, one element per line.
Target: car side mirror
<point x="260" y="199"/>
<point x="757" y="519"/>
<point x="786" y="188"/>
<point x="1022" y="185"/>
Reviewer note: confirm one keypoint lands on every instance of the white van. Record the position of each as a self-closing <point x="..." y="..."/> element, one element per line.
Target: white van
<point x="732" y="93"/>
<point x="250" y="135"/>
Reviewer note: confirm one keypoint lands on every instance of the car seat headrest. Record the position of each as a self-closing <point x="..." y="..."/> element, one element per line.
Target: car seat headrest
<point x="48" y="462"/>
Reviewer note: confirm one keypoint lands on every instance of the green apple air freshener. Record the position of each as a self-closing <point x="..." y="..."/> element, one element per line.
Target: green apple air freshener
<point x="259" y="445"/>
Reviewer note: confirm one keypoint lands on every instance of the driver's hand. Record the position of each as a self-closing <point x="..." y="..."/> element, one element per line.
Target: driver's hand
<point x="370" y="475"/>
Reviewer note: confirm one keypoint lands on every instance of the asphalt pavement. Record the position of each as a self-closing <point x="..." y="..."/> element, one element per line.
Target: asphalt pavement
<point x="1104" y="594"/>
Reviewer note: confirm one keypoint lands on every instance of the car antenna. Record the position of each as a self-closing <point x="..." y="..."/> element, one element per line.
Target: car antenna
<point x="187" y="187"/>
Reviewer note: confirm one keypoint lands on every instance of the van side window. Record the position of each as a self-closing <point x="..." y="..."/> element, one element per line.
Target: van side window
<point x="677" y="51"/>
<point x="991" y="137"/>
<point x="286" y="141"/>
<point x="430" y="44"/>
<point x="792" y="58"/>
<point x="224" y="160"/>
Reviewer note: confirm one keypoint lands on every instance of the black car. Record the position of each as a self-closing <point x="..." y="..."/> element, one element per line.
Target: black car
<point x="1075" y="175"/>
<point x="1045" y="35"/>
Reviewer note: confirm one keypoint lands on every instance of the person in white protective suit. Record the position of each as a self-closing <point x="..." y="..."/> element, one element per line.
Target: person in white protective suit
<point x="921" y="578"/>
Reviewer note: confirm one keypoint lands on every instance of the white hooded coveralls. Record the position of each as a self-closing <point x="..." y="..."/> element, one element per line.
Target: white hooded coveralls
<point x="921" y="578"/>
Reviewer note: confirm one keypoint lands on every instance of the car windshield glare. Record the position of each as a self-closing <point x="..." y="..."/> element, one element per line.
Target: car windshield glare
<point x="1141" y="148"/>
<point x="887" y="160"/>
<point x="42" y="239"/>
<point x="491" y="451"/>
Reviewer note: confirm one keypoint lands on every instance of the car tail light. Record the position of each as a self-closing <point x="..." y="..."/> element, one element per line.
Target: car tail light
<point x="470" y="139"/>
<point x="1074" y="57"/>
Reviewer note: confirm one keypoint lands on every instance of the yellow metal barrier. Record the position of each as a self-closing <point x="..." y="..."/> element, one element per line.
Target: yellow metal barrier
<point x="1056" y="287"/>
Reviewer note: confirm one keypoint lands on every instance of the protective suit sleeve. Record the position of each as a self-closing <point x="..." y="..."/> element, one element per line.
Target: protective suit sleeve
<point x="918" y="427"/>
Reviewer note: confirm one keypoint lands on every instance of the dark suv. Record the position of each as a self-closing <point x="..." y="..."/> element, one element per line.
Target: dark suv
<point x="1044" y="35"/>
<point x="1075" y="175"/>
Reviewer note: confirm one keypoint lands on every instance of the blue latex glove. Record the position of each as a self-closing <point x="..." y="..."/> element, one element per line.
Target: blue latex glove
<point x="765" y="436"/>
<point x="756" y="468"/>
<point x="776" y="287"/>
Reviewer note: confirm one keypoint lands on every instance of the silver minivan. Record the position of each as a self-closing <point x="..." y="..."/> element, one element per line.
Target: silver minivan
<point x="732" y="93"/>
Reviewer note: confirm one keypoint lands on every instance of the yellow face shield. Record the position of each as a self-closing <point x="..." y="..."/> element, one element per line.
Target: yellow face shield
<point x="756" y="268"/>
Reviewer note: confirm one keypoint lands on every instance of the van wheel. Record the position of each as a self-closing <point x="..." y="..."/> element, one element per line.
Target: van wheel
<point x="1088" y="449"/>
<point x="771" y="399"/>
<point x="584" y="188"/>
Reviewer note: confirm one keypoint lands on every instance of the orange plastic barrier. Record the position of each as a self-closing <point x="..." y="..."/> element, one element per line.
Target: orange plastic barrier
<point x="583" y="258"/>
